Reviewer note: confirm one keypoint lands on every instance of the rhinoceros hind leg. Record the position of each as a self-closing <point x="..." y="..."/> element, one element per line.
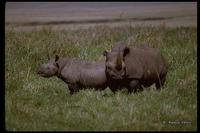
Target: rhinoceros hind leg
<point x="160" y="83"/>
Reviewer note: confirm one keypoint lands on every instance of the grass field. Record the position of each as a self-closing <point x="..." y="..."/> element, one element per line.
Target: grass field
<point x="33" y="103"/>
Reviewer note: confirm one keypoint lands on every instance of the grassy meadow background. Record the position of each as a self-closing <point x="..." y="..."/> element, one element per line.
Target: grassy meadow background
<point x="34" y="103"/>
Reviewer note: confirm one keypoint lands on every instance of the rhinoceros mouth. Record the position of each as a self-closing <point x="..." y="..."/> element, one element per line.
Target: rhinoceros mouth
<point x="117" y="76"/>
<point x="43" y="74"/>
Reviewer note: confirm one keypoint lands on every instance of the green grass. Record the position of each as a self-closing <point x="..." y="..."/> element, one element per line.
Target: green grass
<point x="33" y="103"/>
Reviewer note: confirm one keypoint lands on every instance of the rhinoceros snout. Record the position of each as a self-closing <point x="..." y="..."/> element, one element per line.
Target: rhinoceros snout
<point x="117" y="77"/>
<point x="39" y="72"/>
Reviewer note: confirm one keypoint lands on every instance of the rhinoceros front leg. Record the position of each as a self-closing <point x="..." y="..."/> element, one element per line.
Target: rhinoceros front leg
<point x="135" y="86"/>
<point x="113" y="89"/>
<point x="73" y="88"/>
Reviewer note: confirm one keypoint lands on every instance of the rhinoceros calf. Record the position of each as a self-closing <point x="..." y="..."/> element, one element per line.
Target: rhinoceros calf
<point x="78" y="74"/>
<point x="135" y="67"/>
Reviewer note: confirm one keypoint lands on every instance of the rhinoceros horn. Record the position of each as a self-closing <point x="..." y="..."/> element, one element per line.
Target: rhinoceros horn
<point x="119" y="62"/>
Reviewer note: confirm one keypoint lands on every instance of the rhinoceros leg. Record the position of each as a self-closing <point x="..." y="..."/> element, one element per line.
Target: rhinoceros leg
<point x="113" y="89"/>
<point x="73" y="88"/>
<point x="160" y="83"/>
<point x="134" y="85"/>
<point x="139" y="89"/>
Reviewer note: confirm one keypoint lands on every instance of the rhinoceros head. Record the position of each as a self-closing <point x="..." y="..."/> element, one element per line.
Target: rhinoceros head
<point x="48" y="69"/>
<point x="115" y="65"/>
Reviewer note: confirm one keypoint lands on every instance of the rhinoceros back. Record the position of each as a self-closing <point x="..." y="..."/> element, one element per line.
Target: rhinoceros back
<point x="143" y="63"/>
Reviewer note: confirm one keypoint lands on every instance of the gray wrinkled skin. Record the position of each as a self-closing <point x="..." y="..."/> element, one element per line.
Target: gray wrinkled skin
<point x="78" y="74"/>
<point x="115" y="58"/>
<point x="48" y="70"/>
<point x="142" y="66"/>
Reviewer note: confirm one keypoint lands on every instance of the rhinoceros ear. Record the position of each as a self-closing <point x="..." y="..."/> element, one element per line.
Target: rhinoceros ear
<point x="105" y="53"/>
<point x="57" y="58"/>
<point x="126" y="51"/>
